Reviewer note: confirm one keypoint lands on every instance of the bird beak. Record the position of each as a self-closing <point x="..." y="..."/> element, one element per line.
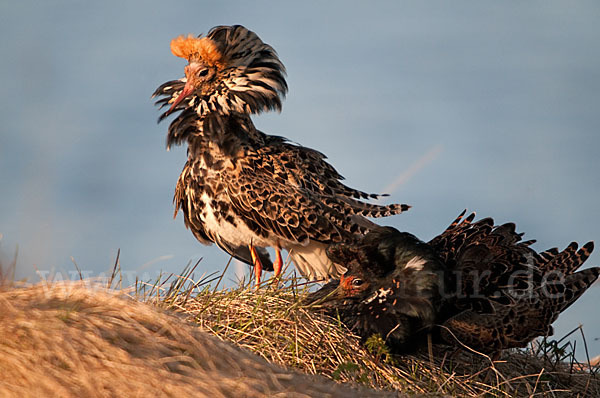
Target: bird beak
<point x="190" y="85"/>
<point x="187" y="90"/>
<point x="329" y="292"/>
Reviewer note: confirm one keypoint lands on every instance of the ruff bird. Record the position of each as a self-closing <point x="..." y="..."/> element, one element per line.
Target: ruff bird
<point x="241" y="188"/>
<point x="476" y="284"/>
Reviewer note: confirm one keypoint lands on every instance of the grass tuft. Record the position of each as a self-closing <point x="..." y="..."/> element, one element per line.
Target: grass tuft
<point x="273" y="323"/>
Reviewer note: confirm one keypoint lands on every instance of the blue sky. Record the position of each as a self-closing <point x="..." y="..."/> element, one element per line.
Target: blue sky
<point x="490" y="106"/>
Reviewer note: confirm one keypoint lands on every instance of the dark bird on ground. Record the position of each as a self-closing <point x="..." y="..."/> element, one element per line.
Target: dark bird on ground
<point x="240" y="188"/>
<point x="476" y="284"/>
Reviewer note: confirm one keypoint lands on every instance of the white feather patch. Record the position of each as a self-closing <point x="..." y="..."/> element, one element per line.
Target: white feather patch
<point x="312" y="262"/>
<point x="380" y="294"/>
<point x="416" y="263"/>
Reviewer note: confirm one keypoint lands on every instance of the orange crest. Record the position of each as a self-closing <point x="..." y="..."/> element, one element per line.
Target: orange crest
<point x="196" y="49"/>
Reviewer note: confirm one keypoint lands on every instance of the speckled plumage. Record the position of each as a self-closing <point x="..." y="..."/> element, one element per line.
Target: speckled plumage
<point x="241" y="186"/>
<point x="475" y="284"/>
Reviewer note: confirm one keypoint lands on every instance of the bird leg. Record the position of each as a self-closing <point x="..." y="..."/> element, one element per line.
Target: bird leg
<point x="278" y="264"/>
<point x="257" y="266"/>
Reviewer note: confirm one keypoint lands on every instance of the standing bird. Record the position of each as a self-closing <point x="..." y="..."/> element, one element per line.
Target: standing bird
<point x="475" y="284"/>
<point x="240" y="188"/>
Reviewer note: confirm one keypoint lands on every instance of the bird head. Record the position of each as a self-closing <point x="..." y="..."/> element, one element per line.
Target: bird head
<point x="391" y="286"/>
<point x="354" y="284"/>
<point x="205" y="61"/>
<point x="357" y="281"/>
<point x="381" y="261"/>
<point x="230" y="70"/>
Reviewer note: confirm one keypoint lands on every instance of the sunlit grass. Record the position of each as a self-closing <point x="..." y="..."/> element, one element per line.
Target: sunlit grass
<point x="274" y="323"/>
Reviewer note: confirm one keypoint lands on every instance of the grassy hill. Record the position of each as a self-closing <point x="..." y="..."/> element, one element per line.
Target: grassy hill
<point x="180" y="337"/>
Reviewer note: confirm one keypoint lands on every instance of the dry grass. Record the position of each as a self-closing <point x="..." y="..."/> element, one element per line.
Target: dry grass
<point x="71" y="339"/>
<point x="80" y="339"/>
<point x="273" y="323"/>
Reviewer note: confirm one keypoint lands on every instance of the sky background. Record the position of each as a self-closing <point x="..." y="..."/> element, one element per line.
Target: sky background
<point x="490" y="106"/>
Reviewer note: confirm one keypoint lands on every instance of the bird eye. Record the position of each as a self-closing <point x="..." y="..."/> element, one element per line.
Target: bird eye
<point x="203" y="72"/>
<point x="357" y="282"/>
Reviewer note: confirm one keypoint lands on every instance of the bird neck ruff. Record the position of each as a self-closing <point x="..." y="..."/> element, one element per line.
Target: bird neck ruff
<point x="196" y="49"/>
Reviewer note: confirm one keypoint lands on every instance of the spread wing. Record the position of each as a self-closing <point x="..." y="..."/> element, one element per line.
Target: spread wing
<point x="515" y="325"/>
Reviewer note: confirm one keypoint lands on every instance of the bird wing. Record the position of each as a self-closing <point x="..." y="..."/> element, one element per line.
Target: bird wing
<point x="498" y="330"/>
<point x="292" y="192"/>
<point x="516" y="324"/>
<point x="484" y="258"/>
<point x="269" y="204"/>
<point x="309" y="169"/>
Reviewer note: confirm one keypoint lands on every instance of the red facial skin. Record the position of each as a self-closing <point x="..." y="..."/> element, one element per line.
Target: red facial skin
<point x="346" y="285"/>
<point x="352" y="285"/>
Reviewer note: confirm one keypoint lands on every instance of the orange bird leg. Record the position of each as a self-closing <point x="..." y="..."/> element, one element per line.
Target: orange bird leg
<point x="278" y="264"/>
<point x="257" y="265"/>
